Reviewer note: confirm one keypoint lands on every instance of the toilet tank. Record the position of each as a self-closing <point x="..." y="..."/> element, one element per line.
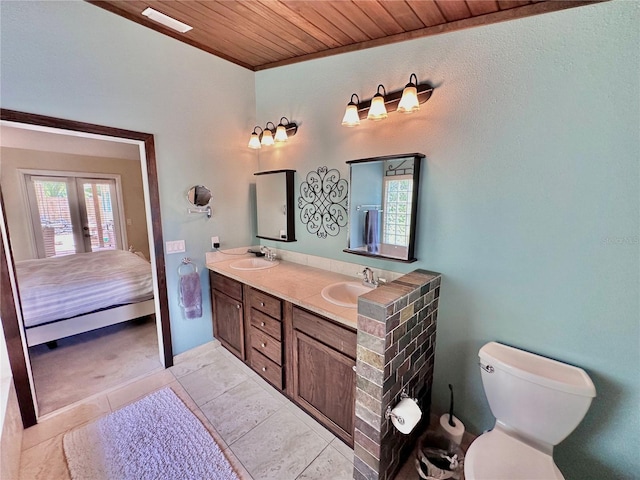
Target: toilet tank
<point x="538" y="397"/>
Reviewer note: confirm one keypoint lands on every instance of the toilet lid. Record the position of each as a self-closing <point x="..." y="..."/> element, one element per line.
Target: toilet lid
<point x="497" y="456"/>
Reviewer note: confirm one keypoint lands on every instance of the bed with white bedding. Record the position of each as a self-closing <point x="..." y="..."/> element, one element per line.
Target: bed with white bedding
<point x="62" y="296"/>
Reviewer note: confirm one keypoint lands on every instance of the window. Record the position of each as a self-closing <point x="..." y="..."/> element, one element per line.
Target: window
<point x="73" y="214"/>
<point x="398" y="191"/>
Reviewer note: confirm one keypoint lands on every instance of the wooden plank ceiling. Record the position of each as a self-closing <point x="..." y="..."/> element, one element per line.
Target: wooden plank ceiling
<point x="260" y="34"/>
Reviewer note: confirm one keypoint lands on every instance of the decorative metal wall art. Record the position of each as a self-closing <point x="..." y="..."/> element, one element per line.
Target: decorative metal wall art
<point x="323" y="202"/>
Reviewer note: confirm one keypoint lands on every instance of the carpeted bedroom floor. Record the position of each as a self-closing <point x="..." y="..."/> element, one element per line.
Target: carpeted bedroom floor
<point x="93" y="362"/>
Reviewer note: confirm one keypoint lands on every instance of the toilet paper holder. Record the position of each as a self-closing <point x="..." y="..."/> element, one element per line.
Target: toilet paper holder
<point x="389" y="414"/>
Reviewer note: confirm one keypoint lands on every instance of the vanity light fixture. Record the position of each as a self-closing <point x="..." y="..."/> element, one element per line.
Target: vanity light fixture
<point x="351" y="118"/>
<point x="377" y="110"/>
<point x="281" y="131"/>
<point x="267" y="135"/>
<point x="166" y="20"/>
<point x="272" y="134"/>
<point x="254" y="141"/>
<point x="407" y="100"/>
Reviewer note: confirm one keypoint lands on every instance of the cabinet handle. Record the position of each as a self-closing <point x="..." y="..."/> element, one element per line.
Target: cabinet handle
<point x="262" y="324"/>
<point x="238" y="306"/>
<point x="262" y="304"/>
<point x="263" y="345"/>
<point x="264" y="369"/>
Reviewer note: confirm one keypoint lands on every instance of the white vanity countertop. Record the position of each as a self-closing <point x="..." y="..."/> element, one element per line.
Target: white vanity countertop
<point x="295" y="283"/>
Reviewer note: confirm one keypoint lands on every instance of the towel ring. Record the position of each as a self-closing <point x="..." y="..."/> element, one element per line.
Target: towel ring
<point x="186" y="262"/>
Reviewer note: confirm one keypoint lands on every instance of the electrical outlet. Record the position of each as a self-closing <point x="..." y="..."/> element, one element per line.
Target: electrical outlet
<point x="215" y="242"/>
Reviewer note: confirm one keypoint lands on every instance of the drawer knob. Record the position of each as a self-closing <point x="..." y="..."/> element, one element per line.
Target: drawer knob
<point x="262" y="304"/>
<point x="263" y="345"/>
<point x="262" y="324"/>
<point x="238" y="306"/>
<point x="353" y="368"/>
<point x="264" y="369"/>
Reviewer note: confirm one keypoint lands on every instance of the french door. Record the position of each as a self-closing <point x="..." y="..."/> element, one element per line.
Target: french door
<point x="72" y="214"/>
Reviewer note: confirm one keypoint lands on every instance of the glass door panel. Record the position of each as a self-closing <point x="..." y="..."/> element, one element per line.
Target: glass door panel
<point x="53" y="216"/>
<point x="73" y="215"/>
<point x="100" y="225"/>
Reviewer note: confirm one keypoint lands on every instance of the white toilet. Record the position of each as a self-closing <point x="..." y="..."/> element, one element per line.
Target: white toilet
<point x="537" y="403"/>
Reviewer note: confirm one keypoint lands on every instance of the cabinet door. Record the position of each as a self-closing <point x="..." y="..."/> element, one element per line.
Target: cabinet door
<point x="324" y="384"/>
<point x="228" y="323"/>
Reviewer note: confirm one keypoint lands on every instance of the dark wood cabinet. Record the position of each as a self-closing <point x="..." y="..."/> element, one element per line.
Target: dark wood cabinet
<point x="264" y="350"/>
<point x="311" y="359"/>
<point x="228" y="314"/>
<point x="323" y="371"/>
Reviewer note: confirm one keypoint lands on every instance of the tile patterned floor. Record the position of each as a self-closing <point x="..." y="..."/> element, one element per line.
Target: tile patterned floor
<point x="264" y="435"/>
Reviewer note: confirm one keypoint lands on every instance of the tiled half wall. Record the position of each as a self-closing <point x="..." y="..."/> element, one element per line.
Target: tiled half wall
<point x="396" y="344"/>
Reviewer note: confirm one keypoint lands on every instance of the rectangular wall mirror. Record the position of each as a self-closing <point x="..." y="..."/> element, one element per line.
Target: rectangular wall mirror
<point x="383" y="206"/>
<point x="274" y="198"/>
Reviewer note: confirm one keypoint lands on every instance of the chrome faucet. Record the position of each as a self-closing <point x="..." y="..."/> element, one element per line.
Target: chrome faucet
<point x="268" y="253"/>
<point x="368" y="278"/>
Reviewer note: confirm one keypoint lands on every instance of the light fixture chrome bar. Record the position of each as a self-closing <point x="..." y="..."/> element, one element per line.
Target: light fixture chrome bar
<point x="166" y="20"/>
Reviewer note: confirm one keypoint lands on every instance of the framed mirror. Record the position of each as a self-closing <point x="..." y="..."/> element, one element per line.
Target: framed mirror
<point x="275" y="208"/>
<point x="383" y="205"/>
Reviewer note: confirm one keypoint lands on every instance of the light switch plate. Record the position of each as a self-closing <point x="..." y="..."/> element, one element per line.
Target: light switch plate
<point x="176" y="246"/>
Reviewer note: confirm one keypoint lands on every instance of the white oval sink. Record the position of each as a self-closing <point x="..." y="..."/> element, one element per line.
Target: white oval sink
<point x="254" y="263"/>
<point x="344" y="294"/>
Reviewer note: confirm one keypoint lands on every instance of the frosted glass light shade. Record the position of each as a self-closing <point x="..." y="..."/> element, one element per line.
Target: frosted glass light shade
<point x="377" y="110"/>
<point x="351" y="118"/>
<point x="281" y="134"/>
<point x="254" y="141"/>
<point x="267" y="138"/>
<point x="409" y="101"/>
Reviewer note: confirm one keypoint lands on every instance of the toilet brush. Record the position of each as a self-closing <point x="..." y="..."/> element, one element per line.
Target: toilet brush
<point x="451" y="426"/>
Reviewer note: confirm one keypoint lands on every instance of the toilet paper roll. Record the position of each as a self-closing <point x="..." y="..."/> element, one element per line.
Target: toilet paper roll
<point x="454" y="434"/>
<point x="410" y="413"/>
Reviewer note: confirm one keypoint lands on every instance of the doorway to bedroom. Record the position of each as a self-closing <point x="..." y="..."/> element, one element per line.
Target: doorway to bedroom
<point x="81" y="211"/>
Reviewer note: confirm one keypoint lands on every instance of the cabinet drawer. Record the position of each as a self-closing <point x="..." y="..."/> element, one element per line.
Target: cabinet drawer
<point x="342" y="339"/>
<point x="271" y="371"/>
<point x="267" y="324"/>
<point x="266" y="345"/>
<point x="226" y="285"/>
<point x="265" y="303"/>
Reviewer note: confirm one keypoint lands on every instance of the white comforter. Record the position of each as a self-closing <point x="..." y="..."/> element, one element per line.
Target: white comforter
<point x="63" y="287"/>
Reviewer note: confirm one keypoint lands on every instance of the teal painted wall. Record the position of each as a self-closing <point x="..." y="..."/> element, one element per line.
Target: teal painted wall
<point x="529" y="203"/>
<point x="76" y="61"/>
<point x="530" y="200"/>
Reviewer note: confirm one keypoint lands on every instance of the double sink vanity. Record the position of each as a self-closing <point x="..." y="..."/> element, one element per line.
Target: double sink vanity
<point x="274" y="316"/>
<point x="299" y="327"/>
